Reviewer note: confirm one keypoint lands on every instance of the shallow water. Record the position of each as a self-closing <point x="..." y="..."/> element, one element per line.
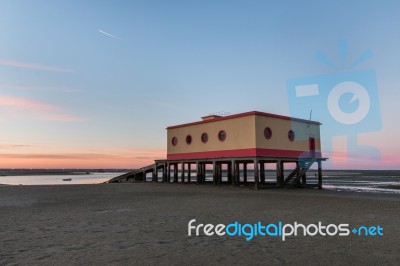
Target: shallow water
<point x="356" y="181"/>
<point x="90" y="178"/>
<point x="379" y="185"/>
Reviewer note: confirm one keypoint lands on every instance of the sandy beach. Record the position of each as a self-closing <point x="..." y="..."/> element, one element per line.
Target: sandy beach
<point x="143" y="224"/>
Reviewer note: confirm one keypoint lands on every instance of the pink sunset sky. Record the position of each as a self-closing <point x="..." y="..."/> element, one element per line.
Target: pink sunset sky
<point x="86" y="85"/>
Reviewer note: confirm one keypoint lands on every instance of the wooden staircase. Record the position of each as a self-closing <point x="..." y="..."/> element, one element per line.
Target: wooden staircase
<point x="133" y="176"/>
<point x="294" y="178"/>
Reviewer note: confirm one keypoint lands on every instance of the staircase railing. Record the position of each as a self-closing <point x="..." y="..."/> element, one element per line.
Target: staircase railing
<point x="301" y="169"/>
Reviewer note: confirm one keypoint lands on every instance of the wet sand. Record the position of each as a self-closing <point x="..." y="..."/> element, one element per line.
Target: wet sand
<point x="125" y="224"/>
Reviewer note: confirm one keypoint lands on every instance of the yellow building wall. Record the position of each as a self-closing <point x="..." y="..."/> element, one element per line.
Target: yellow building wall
<point x="244" y="132"/>
<point x="280" y="129"/>
<point x="240" y="134"/>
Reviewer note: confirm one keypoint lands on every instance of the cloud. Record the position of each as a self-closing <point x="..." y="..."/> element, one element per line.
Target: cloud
<point x="21" y="103"/>
<point x="109" y="34"/>
<point x="20" y="64"/>
<point x="17" y="106"/>
<point x="13" y="146"/>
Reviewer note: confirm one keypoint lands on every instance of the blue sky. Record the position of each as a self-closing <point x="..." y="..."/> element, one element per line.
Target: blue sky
<point x="67" y="90"/>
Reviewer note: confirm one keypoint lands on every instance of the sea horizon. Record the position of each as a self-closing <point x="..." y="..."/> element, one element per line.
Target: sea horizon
<point x="372" y="181"/>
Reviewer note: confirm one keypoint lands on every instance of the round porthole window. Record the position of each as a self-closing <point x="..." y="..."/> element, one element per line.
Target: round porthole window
<point x="267" y="133"/>
<point x="222" y="135"/>
<point x="204" y="137"/>
<point x="174" y="141"/>
<point x="189" y="139"/>
<point x="291" y="135"/>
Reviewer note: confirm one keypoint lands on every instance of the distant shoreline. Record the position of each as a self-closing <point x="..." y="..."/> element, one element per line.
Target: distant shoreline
<point x="25" y="172"/>
<point x="369" y="181"/>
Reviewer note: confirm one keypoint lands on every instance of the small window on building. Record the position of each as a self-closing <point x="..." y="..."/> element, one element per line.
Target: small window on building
<point x="267" y="133"/>
<point x="291" y="135"/>
<point x="204" y="137"/>
<point x="222" y="135"/>
<point x="189" y="139"/>
<point x="174" y="141"/>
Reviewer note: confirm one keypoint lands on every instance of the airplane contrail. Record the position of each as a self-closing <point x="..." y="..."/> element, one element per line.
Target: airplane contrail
<point x="108" y="34"/>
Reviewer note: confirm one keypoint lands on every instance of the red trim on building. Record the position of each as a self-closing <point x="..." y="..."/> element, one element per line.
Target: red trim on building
<point x="246" y="114"/>
<point x="243" y="153"/>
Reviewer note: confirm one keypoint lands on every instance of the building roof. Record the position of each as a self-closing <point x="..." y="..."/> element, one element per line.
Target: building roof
<point x="211" y="119"/>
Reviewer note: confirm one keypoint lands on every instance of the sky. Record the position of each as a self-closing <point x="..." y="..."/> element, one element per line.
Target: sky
<point x="94" y="84"/>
